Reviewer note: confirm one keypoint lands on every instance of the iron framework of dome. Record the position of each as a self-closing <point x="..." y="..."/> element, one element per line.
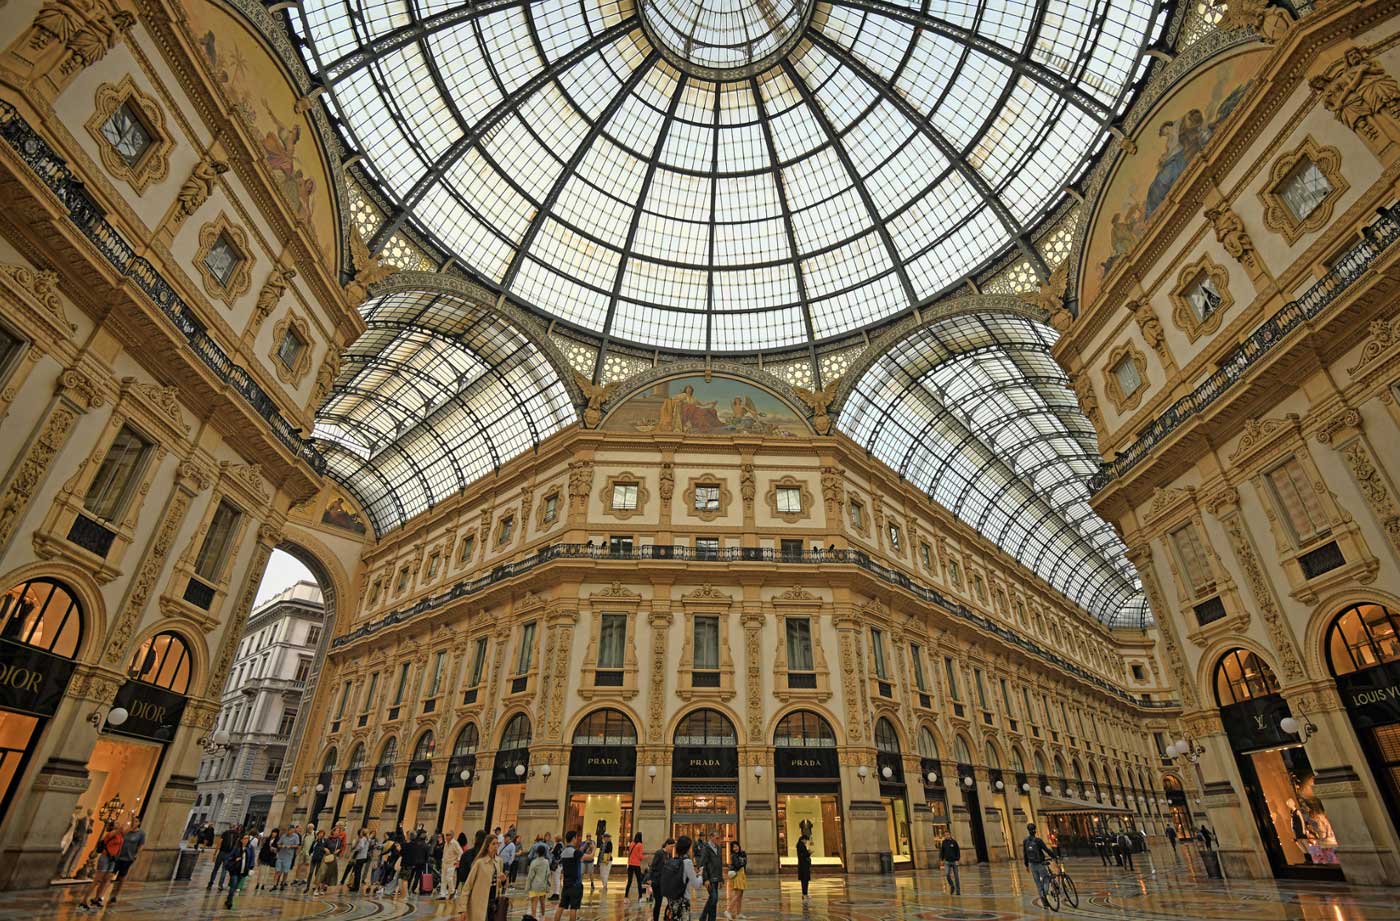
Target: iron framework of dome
<point x="720" y="176"/>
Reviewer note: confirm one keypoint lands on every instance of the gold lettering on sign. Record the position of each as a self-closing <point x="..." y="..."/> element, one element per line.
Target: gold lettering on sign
<point x="20" y="678"/>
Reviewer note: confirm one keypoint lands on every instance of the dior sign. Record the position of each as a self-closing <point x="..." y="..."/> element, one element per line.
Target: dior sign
<point x="32" y="681"/>
<point x="153" y="713"/>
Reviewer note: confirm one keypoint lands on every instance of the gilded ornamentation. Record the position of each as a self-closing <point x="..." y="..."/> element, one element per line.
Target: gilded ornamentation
<point x="1270" y="23"/>
<point x="1356" y="88"/>
<point x="805" y="501"/>
<point x="1125" y="352"/>
<point x="616" y="590"/>
<point x="626" y="478"/>
<point x="692" y="508"/>
<point x="667" y="486"/>
<point x="42" y="286"/>
<point x="238" y="277"/>
<point x="196" y="473"/>
<point x="369" y="269"/>
<point x="1088" y="401"/>
<point x="833" y="491"/>
<point x="325" y="376"/>
<point x="195" y="190"/>
<point x="1206" y="275"/>
<point x="1382" y="335"/>
<point x="819" y="401"/>
<point x="1151" y="328"/>
<point x="746" y="487"/>
<point x="656" y="711"/>
<point x="271" y="292"/>
<point x="797" y="593"/>
<point x="1347" y="418"/>
<point x="1050" y="297"/>
<point x="561" y="668"/>
<point x="167" y="400"/>
<point x="850" y="679"/>
<point x="87" y="30"/>
<point x="707" y="592"/>
<point x="291" y="374"/>
<point x="1166" y="629"/>
<point x="580" y="483"/>
<point x="1289" y="661"/>
<point x="1278" y="215"/>
<point x="1373" y="487"/>
<point x="250" y="475"/>
<point x="753" y="666"/>
<point x="1230" y="233"/>
<point x="1259" y="431"/>
<point x="595" y="396"/>
<point x="81" y="388"/>
<point x="147" y="575"/>
<point x="32" y="467"/>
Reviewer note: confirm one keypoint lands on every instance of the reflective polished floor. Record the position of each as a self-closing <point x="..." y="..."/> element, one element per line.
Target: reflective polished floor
<point x="1161" y="889"/>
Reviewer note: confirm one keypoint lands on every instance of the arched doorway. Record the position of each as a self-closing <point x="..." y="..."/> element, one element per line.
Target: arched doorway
<point x="997" y="782"/>
<point x="889" y="768"/>
<point x="1274" y="768"/>
<point x="1363" y="653"/>
<point x="509" y="772"/>
<point x="705" y="777"/>
<point x="383" y="781"/>
<point x="457" y="786"/>
<point x="416" y="781"/>
<point x="1179" y="808"/>
<point x="935" y="785"/>
<point x="349" y="785"/>
<point x="602" y="778"/>
<point x="41" y="631"/>
<point x="325" y="784"/>
<point x="807" y="778"/>
<point x="972" y="801"/>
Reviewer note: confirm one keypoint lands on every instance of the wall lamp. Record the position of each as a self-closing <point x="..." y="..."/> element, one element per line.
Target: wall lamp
<point x="1190" y="749"/>
<point x="1291" y="726"/>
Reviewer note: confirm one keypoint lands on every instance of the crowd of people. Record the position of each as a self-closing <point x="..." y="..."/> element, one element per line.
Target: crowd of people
<point x="491" y="877"/>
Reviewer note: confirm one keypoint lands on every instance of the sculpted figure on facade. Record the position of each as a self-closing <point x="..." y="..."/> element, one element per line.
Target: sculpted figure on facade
<point x="369" y="269"/>
<point x="1231" y="234"/>
<point x="1270" y="23"/>
<point x="272" y="290"/>
<point x="86" y="29"/>
<point x="1356" y="89"/>
<point x="596" y="395"/>
<point x="195" y="191"/>
<point x="819" y="401"/>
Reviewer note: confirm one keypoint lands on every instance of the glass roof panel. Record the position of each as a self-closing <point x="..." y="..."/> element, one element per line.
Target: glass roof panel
<point x="974" y="411"/>
<point x="639" y="168"/>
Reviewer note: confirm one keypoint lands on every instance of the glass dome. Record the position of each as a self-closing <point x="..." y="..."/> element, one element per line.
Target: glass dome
<point x="718" y="175"/>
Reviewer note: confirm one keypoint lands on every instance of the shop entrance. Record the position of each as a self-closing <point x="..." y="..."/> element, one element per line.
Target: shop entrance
<point x="889" y="762"/>
<point x="1363" y="650"/>
<point x="349" y="787"/>
<point x="41" y="629"/>
<point x="457" y="787"/>
<point x="1277" y="776"/>
<point x="705" y="777"/>
<point x="973" y="802"/>
<point x="508" y="774"/>
<point x="602" y="775"/>
<point x="808" y="777"/>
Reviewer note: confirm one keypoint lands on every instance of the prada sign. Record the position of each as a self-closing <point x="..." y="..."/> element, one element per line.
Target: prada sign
<point x="32" y="681"/>
<point x="152" y="713"/>
<point x="1372" y="696"/>
<point x="806" y="763"/>
<point x="1254" y="724"/>
<point x="704" y="762"/>
<point x="602" y="761"/>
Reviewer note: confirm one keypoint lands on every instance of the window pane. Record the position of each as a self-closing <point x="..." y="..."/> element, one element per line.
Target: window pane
<point x="1203" y="297"/>
<point x="1304" y="189"/>
<point x="1126" y="372"/>
<point x="127" y="135"/>
<point x="221" y="259"/>
<point x="1192" y="557"/>
<point x="289" y="350"/>
<point x="479" y="662"/>
<point x="527" y="649"/>
<point x="625" y="496"/>
<point x="216" y="543"/>
<point x="789" y="499"/>
<point x="611" y="637"/>
<point x="707" y="498"/>
<point x="1296" y="497"/>
<point x="799" y="644"/>
<point x="877" y="652"/>
<point x="706" y="643"/>
<point x="111" y="489"/>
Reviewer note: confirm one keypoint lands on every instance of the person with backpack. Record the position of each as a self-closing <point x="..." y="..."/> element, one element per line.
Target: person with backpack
<point x="804" y="866"/>
<point x="238" y="864"/>
<point x="674" y="881"/>
<point x="634" y="868"/>
<point x="415" y="862"/>
<point x="1037" y="856"/>
<point x="556" y="872"/>
<point x="711" y="866"/>
<point x="571" y="877"/>
<point x="658" y="861"/>
<point x="950" y="853"/>
<point x="315" y="857"/>
<point x="227" y="842"/>
<point x="738" y="878"/>
<point x="1206" y="837"/>
<point x="109" y="848"/>
<point x="389" y="866"/>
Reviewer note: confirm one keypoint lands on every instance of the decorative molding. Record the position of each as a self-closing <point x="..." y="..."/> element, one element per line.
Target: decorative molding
<point x="1373" y="486"/>
<point x="796" y="593"/>
<point x="1115" y="393"/>
<point x="1183" y="315"/>
<point x="325" y="376"/>
<point x="819" y="401"/>
<point x="1050" y="298"/>
<point x="1151" y="328"/>
<point x="1260" y="432"/>
<point x="805" y="498"/>
<point x="1088" y="401"/>
<point x="67" y="36"/>
<point x="707" y="593"/>
<point x="1226" y="509"/>
<point x="595" y="396"/>
<point x="1278" y="217"/>
<point x="34" y="465"/>
<point x="274" y="286"/>
<point x="239" y="277"/>
<point x="688" y="496"/>
<point x="41" y="286"/>
<point x="195" y="190"/>
<point x="1270" y="23"/>
<point x="1231" y="234"/>
<point x="1166" y="499"/>
<point x="625" y="478"/>
<point x="1363" y="96"/>
<point x="753" y="666"/>
<point x="301" y="327"/>
<point x="165" y="399"/>
<point x="1382" y="336"/>
<point x="152" y="563"/>
<point x="233" y="631"/>
<point x="1346" y="419"/>
<point x="369" y="269"/>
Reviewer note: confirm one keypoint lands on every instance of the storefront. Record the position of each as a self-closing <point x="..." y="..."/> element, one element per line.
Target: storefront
<point x="1178" y="807"/>
<point x="1363" y="649"/>
<point x="324" y="788"/>
<point x="416" y="782"/>
<point x="971" y="798"/>
<point x="143" y="719"/>
<point x="41" y="630"/>
<point x="508" y="774"/>
<point x="705" y="777"/>
<point x="1274" y="768"/>
<point x="602" y="774"/>
<point x="457" y="785"/>
<point x="889" y="767"/>
<point x="807" y="775"/>
<point x="935" y="792"/>
<point x="381" y="785"/>
<point x="349" y="788"/>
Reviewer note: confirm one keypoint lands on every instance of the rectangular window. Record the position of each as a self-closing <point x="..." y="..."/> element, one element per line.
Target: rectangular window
<point x="707" y="498"/>
<point x="926" y="555"/>
<point x="1299" y="502"/>
<point x="217" y="542"/>
<point x="344" y="699"/>
<point x="954" y="572"/>
<point x="433" y="562"/>
<point x="980" y="588"/>
<point x="403" y="684"/>
<point x="290" y="348"/>
<point x="1203" y="297"/>
<point x="877" y="653"/>
<point x="791" y="548"/>
<point x="289" y="718"/>
<point x="706" y="630"/>
<point x="1026" y="703"/>
<point x="612" y="638"/>
<point x="1304" y="188"/>
<point x="479" y="662"/>
<point x="981" y="688"/>
<point x="624" y="497"/>
<point x="857" y="515"/>
<point x="916" y="654"/>
<point x="526" y="658"/>
<point x="620" y="544"/>
<point x="789" y="500"/>
<point x="894" y="536"/>
<point x="707" y="548"/>
<point x="274" y="767"/>
<point x="439" y="667"/>
<point x="10" y="347"/>
<point x="127" y="133"/>
<point x="799" y="644"/>
<point x="1127" y="375"/>
<point x="303" y="668"/>
<point x="1006" y="698"/>
<point x="551" y="507"/>
<point x="368" y="702"/>
<point x="1191" y="556"/>
<point x="403" y="580"/>
<point x="951" y="671"/>
<point x="465" y="553"/>
<point x="223" y="257"/>
<point x="313" y="634"/>
<point x="117" y="476"/>
<point x="507" y="529"/>
<point x="375" y="590"/>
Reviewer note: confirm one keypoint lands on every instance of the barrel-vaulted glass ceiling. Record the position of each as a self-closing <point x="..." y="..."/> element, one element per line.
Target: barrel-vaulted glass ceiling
<point x="722" y="175"/>
<point x="975" y="411"/>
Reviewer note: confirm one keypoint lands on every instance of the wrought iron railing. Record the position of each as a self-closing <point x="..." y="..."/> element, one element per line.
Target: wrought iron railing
<point x="89" y="218"/>
<point x="806" y="558"/>
<point x="1375" y="240"/>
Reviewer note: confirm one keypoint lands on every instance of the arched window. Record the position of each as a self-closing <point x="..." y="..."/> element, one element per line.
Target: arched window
<point x="1241" y="676"/>
<point x="1363" y="636"/>
<point x="928" y="745"/>
<point x="961" y="751"/>
<point x="391" y="751"/>
<point x="357" y="758"/>
<point x="1039" y="764"/>
<point x="886" y="739"/>
<point x="467" y="741"/>
<point x="1059" y="766"/>
<point x="517" y="734"/>
<point x="1078" y="771"/>
<point x="1018" y="763"/>
<point x="423" y="751"/>
<point x="706" y="728"/>
<point x="44" y="614"/>
<point x="329" y="764"/>
<point x="993" y="759"/>
<point x="164" y="661"/>
<point x="804" y="729"/>
<point x="1171" y="784"/>
<point x="606" y="727"/>
<point x="1093" y="774"/>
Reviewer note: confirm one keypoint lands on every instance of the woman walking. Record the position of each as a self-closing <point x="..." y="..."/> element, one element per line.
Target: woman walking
<point x="804" y="866"/>
<point x="537" y="880"/>
<point x="389" y="866"/>
<point x="634" y="868"/>
<point x="109" y="847"/>
<point x="267" y="858"/>
<point x="738" y="879"/>
<point x="486" y="883"/>
<point x="464" y="863"/>
<point x="605" y="859"/>
<point x="237" y="863"/>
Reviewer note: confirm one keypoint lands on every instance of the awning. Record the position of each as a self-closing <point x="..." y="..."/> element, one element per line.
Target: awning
<point x="1055" y="804"/>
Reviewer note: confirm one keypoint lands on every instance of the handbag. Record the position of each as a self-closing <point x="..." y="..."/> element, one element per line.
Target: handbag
<point x="501" y="911"/>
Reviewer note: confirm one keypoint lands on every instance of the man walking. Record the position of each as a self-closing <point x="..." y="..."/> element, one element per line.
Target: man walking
<point x="571" y="875"/>
<point x="1101" y="846"/>
<point x="227" y="842"/>
<point x="590" y="853"/>
<point x="950" y="854"/>
<point x="1037" y="856"/>
<point x="711" y="862"/>
<point x="1125" y="847"/>
<point x="1171" y="839"/>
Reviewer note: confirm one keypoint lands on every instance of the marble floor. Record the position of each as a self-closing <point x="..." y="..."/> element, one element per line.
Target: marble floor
<point x="1161" y="889"/>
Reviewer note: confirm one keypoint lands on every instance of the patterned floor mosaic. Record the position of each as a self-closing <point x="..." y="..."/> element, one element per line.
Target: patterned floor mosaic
<point x="1161" y="889"/>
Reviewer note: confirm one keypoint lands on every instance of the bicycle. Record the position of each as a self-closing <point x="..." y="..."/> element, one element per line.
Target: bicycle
<point x="1065" y="885"/>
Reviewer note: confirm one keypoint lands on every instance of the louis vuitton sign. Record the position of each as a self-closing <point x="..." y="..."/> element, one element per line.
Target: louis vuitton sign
<point x="1253" y="725"/>
<point x="1372" y="696"/>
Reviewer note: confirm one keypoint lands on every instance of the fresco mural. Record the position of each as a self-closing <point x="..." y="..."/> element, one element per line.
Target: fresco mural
<point x="695" y="406"/>
<point x="262" y="99"/>
<point x="339" y="514"/>
<point x="1167" y="143"/>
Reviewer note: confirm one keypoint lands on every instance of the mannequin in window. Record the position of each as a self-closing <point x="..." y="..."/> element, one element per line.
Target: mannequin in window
<point x="1298" y="821"/>
<point x="71" y="847"/>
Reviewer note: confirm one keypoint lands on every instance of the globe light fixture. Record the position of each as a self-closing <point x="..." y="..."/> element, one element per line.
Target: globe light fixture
<point x="1025" y="788"/>
<point x="886" y="773"/>
<point x="932" y="777"/>
<point x="320" y="788"/>
<point x="967" y="781"/>
<point x="1000" y="785"/>
<point x="520" y="770"/>
<point x="863" y="771"/>
<point x="116" y="716"/>
<point x="1047" y="789"/>
<point x="465" y="774"/>
<point x="349" y="784"/>
<point x="418" y="778"/>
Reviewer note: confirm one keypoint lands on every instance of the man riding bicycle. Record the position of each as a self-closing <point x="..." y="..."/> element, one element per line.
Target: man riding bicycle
<point x="1037" y="856"/>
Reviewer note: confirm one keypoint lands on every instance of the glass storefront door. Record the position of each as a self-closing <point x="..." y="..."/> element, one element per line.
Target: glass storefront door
<point x="505" y="804"/>
<point x="818" y="815"/>
<point x="897" y="830"/>
<point x="1292" y="821"/>
<point x="599" y="813"/>
<point x="700" y="814"/>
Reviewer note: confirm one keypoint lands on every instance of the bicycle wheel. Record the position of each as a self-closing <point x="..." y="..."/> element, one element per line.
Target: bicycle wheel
<point x="1052" y="896"/>
<point x="1067" y="887"/>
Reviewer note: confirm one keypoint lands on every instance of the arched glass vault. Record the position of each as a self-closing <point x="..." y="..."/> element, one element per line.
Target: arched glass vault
<point x="973" y="410"/>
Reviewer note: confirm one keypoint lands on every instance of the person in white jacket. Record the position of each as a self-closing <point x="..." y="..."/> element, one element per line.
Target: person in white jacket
<point x="451" y="854"/>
